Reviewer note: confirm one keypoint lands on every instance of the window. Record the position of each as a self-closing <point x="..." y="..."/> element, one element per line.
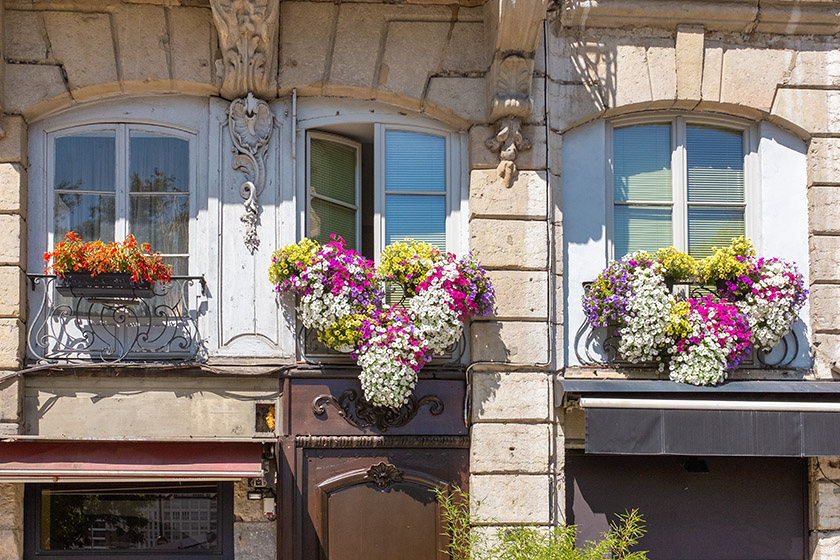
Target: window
<point x="112" y="180"/>
<point x="161" y="520"/>
<point x="379" y="185"/>
<point x="677" y="182"/>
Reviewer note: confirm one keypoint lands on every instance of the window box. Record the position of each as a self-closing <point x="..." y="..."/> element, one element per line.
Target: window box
<point x="105" y="285"/>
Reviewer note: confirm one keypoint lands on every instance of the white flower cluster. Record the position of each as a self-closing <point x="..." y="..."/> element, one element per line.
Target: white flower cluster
<point x="386" y="378"/>
<point x="649" y="311"/>
<point x="432" y="313"/>
<point x="770" y="318"/>
<point x="320" y="309"/>
<point x="703" y="363"/>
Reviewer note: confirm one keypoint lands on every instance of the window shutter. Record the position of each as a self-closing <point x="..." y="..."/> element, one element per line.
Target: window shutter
<point x="333" y="187"/>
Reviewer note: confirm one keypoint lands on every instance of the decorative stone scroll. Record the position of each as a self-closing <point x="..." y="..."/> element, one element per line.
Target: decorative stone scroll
<point x="248" y="37"/>
<point x="251" y="123"/>
<point x="516" y="25"/>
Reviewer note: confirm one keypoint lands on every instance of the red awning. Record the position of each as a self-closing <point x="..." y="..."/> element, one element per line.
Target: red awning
<point x="27" y="461"/>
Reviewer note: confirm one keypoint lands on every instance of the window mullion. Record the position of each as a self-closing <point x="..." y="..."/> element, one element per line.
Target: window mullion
<point x="680" y="185"/>
<point x="121" y="202"/>
<point x="379" y="190"/>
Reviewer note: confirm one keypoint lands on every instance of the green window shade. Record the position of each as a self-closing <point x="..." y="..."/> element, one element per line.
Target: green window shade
<point x="327" y="218"/>
<point x="712" y="227"/>
<point x="641" y="228"/>
<point x="332" y="184"/>
<point x="642" y="163"/>
<point x="715" y="159"/>
<point x="332" y="168"/>
<point x="418" y="217"/>
<point x="414" y="162"/>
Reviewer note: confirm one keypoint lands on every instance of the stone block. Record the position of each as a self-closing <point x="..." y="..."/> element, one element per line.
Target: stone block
<point x="513" y="448"/>
<point x="689" y="59"/>
<point x="826" y="508"/>
<point x="255" y="541"/>
<point x="824" y="209"/>
<point x="662" y="60"/>
<point x="13" y="182"/>
<point x="480" y="155"/>
<point x="13" y="144"/>
<point x="304" y="54"/>
<point x="25" y="36"/>
<point x="356" y="46"/>
<point x="825" y="307"/>
<point x="510" y="396"/>
<point x="11" y="544"/>
<point x="824" y="160"/>
<point x="28" y="85"/>
<point x="192" y="42"/>
<point x="510" y="244"/>
<point x="11" y="400"/>
<point x="539" y="88"/>
<point x="631" y="78"/>
<point x="535" y="157"/>
<point x="11" y="343"/>
<point x="526" y="198"/>
<point x="12" y="251"/>
<point x="824" y="257"/>
<point x="142" y="48"/>
<point x="12" y="292"/>
<point x="750" y="75"/>
<point x="250" y="511"/>
<point x="459" y="96"/>
<point x="816" y="64"/>
<point x="520" y="294"/>
<point x="712" y="66"/>
<point x="88" y="57"/>
<point x="825" y="545"/>
<point x="462" y="53"/>
<point x="517" y="342"/>
<point x="11" y="506"/>
<point x="809" y="109"/>
<point x="826" y="348"/>
<point x="510" y="498"/>
<point x="570" y="104"/>
<point x="413" y="51"/>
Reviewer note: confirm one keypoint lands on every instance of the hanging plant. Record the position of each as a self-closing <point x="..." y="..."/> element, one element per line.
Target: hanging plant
<point x="341" y="296"/>
<point x="699" y="340"/>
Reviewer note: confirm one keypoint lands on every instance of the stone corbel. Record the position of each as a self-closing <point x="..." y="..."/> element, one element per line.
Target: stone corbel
<point x="251" y="123"/>
<point x="515" y="27"/>
<point x="248" y="38"/>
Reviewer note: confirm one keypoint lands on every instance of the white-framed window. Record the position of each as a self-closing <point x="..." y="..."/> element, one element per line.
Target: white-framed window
<point x="679" y="181"/>
<point x="375" y="177"/>
<point x="111" y="180"/>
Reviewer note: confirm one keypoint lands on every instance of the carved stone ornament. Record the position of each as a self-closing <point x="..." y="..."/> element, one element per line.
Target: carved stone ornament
<point x="383" y="475"/>
<point x="508" y="141"/>
<point x="250" y="122"/>
<point x="248" y="37"/>
<point x="362" y="414"/>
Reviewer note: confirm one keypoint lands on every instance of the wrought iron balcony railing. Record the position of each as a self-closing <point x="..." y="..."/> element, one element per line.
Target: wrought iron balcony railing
<point x="598" y="346"/>
<point x="115" y="328"/>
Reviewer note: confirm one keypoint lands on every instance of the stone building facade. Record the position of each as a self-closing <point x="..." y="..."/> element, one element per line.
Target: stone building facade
<point x="525" y="96"/>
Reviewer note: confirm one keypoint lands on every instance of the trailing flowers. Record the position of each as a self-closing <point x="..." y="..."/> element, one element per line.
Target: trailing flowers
<point x="341" y="295"/>
<point x="699" y="339"/>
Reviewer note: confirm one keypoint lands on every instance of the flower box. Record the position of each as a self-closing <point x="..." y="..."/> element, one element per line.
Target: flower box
<point x="103" y="285"/>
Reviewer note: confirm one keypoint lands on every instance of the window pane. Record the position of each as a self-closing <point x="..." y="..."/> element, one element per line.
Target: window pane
<point x="85" y="162"/>
<point x="327" y="218"/>
<point x="418" y="217"/>
<point x="332" y="170"/>
<point x="414" y="162"/>
<point x="158" y="163"/>
<point x="642" y="163"/>
<point x="120" y="519"/>
<point x="715" y="165"/>
<point x="89" y="215"/>
<point x="712" y="227"/>
<point x="162" y="221"/>
<point x="641" y="228"/>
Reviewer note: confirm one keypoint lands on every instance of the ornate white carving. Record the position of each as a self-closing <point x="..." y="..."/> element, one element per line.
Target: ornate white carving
<point x="516" y="27"/>
<point x="248" y="38"/>
<point x="250" y="122"/>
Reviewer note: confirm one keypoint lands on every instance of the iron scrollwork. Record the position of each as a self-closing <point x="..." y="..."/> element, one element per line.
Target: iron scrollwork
<point x="361" y="413"/>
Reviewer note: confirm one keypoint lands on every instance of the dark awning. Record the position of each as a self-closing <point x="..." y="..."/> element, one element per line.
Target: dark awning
<point x="32" y="461"/>
<point x="744" y="418"/>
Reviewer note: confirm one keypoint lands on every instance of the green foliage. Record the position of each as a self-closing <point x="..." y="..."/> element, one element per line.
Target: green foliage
<point x="533" y="543"/>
